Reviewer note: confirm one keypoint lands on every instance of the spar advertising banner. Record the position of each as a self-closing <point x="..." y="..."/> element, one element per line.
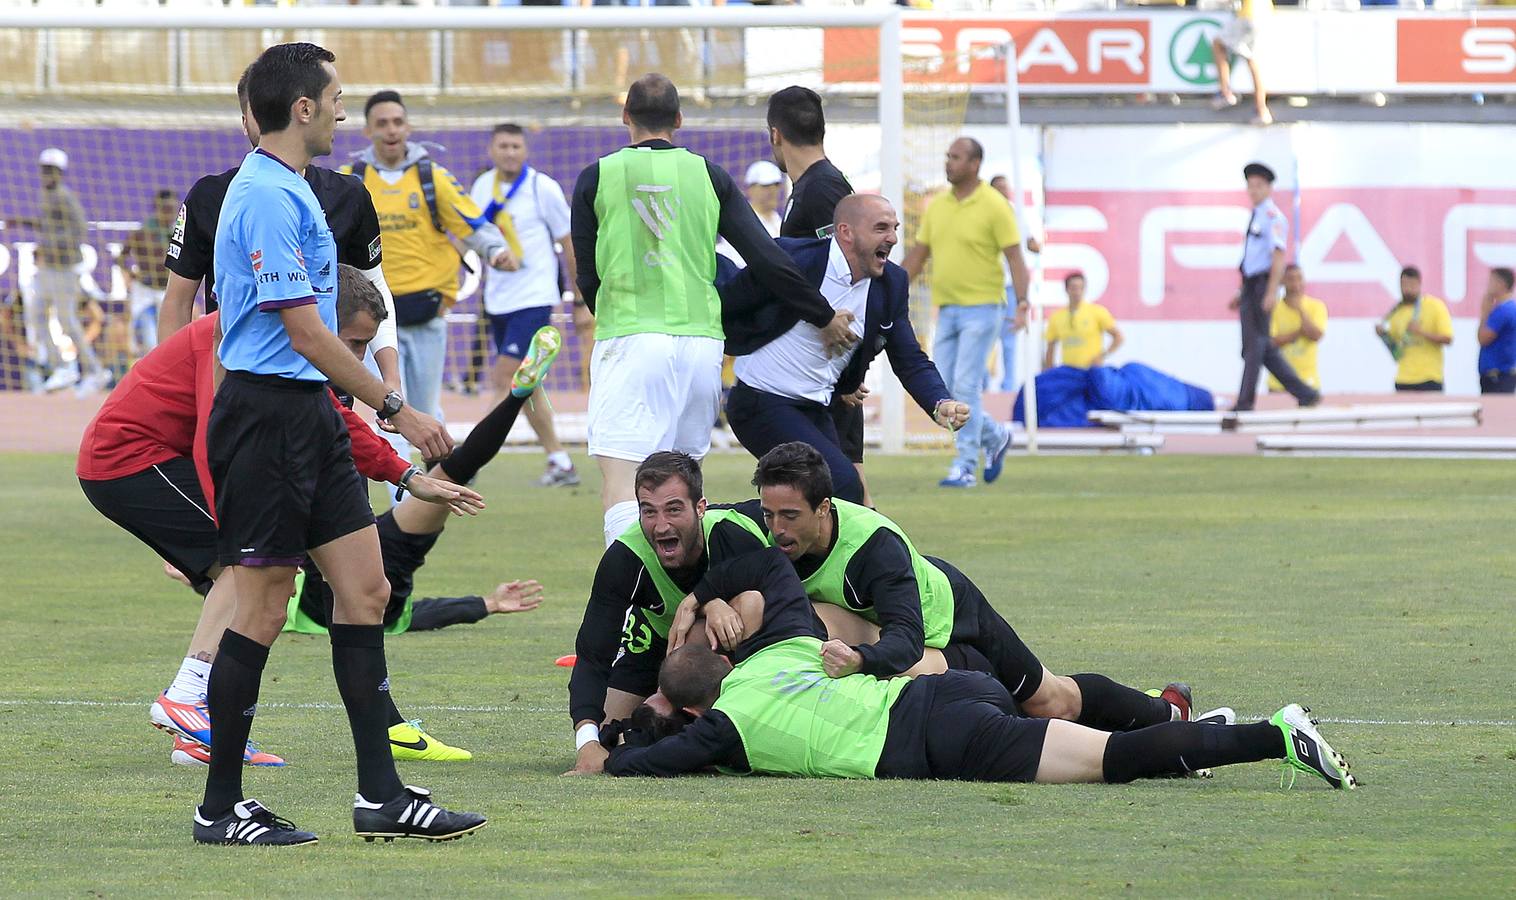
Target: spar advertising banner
<point x="1169" y="51"/>
<point x="1158" y="231"/>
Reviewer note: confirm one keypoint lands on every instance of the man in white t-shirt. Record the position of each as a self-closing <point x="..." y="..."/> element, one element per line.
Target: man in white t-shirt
<point x="531" y="212"/>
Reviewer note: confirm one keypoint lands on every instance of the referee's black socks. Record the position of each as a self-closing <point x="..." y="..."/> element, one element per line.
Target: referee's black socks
<point x="1109" y="706"/>
<point x="483" y="442"/>
<point x="1178" y="748"/>
<point x="231" y="697"/>
<point x="358" y="664"/>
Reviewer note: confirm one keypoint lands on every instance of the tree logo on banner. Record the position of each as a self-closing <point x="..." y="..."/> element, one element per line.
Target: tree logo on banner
<point x="1190" y="54"/>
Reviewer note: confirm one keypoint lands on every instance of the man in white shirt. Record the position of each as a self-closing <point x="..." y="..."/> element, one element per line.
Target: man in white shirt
<point x="786" y="375"/>
<point x="532" y="214"/>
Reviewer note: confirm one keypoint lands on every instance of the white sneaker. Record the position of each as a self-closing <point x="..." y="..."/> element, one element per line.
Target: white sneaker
<point x="1220" y="102"/>
<point x="62" y="377"/>
<point x="92" y="384"/>
<point x="1264" y="119"/>
<point x="557" y="476"/>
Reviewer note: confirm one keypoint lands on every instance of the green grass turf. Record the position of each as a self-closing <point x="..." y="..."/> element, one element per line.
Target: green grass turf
<point x="1367" y="589"/>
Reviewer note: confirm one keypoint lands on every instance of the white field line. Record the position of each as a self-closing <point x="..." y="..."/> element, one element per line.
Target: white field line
<point x="112" y="704"/>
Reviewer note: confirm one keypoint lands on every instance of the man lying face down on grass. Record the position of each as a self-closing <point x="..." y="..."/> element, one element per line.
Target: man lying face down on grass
<point x="772" y="709"/>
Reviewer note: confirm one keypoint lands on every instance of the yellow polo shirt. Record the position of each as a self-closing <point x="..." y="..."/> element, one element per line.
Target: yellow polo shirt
<point x="968" y="240"/>
<point x="1301" y="352"/>
<point x="1081" y="333"/>
<point x="418" y="257"/>
<point x="1421" y="361"/>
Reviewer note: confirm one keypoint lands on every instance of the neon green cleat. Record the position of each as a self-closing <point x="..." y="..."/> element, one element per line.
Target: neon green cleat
<point x="408" y="741"/>
<point x="1307" y="751"/>
<point x="540" y="354"/>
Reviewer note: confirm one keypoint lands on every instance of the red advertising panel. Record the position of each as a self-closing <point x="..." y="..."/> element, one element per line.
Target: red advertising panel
<point x="1455" y="51"/>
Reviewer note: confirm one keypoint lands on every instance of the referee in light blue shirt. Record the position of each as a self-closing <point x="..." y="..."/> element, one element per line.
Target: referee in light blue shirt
<point x="1262" y="268"/>
<point x="281" y="464"/>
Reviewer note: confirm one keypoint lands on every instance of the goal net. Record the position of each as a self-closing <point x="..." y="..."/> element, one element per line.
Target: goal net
<point x="141" y="103"/>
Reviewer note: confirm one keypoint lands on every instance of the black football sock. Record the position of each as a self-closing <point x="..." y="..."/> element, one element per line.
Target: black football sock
<point x="358" y="664"/>
<point x="394" y="711"/>
<point x="231" y="697"/>
<point x="1109" y="706"/>
<point x="483" y="442"/>
<point x="1178" y="748"/>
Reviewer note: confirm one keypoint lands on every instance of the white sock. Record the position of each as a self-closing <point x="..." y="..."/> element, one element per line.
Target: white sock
<point x="618" y="519"/>
<point x="189" y="685"/>
<point x="560" y="459"/>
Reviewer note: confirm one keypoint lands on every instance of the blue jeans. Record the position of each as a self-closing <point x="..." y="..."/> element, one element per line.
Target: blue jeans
<point x="423" y="349"/>
<point x="961" y="349"/>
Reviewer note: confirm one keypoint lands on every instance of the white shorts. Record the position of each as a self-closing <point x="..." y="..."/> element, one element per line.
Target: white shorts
<point x="1240" y="37"/>
<point x="651" y="392"/>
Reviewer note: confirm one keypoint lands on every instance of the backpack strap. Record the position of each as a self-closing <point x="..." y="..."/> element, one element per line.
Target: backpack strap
<point x="429" y="189"/>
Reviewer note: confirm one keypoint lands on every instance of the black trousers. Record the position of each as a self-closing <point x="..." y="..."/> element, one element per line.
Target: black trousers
<point x="1497" y="382"/>
<point x="763" y="421"/>
<point x="1422" y="387"/>
<point x="1258" y="350"/>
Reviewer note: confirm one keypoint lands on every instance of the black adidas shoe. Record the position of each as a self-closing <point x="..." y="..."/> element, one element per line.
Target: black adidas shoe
<point x="250" y="822"/>
<point x="411" y="815"/>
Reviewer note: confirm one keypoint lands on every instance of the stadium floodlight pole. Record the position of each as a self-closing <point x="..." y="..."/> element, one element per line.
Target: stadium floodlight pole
<point x="892" y="186"/>
<point x="1034" y="308"/>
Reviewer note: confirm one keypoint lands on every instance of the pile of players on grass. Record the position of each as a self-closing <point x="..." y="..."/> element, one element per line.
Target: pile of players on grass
<point x="799" y="634"/>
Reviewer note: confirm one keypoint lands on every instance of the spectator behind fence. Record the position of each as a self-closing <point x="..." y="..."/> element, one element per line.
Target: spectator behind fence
<point x="1296" y="327"/>
<point x="1240" y="38"/>
<point x="968" y="229"/>
<point x="142" y="265"/>
<point x="761" y="187"/>
<point x="531" y="212"/>
<point x="1079" y="329"/>
<point x="1497" y="335"/>
<point x="1415" y="331"/>
<point x="60" y="229"/>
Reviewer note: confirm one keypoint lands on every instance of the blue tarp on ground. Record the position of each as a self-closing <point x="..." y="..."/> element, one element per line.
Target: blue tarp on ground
<point x="1066" y="395"/>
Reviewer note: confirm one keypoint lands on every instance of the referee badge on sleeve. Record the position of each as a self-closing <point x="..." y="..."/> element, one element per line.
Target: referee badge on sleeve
<point x="373" y="249"/>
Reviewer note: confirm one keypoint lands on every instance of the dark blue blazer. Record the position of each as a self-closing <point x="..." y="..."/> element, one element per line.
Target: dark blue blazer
<point x="752" y="317"/>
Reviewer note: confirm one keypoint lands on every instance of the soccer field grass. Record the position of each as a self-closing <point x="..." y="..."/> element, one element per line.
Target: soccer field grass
<point x="1377" y="592"/>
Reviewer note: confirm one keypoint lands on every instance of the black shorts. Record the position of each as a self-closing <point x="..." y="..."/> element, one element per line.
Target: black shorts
<point x="402" y="553"/>
<point x="635" y="670"/>
<point x="849" y="422"/>
<point x="282" y="464"/>
<point x="978" y="625"/>
<point x="164" y="508"/>
<point x="970" y="736"/>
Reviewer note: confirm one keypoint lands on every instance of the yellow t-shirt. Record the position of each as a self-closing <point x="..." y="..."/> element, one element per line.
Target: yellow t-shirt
<point x="1421" y="361"/>
<point x="1300" y="352"/>
<point x="418" y="257"/>
<point x="968" y="240"/>
<point x="1081" y="333"/>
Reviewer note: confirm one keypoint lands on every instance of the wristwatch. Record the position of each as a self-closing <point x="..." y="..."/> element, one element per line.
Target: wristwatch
<point x="405" y="480"/>
<point x="392" y="404"/>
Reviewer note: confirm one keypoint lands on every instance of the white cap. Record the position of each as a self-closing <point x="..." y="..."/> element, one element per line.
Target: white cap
<point x="764" y="172"/>
<point x="54" y="157"/>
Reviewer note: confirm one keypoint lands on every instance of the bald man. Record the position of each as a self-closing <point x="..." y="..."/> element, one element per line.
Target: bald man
<point x="786" y="377"/>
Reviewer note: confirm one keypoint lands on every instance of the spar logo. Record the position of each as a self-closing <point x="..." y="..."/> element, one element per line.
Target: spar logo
<point x="1190" y="55"/>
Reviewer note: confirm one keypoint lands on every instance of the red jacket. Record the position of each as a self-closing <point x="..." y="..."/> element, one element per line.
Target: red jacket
<point x="159" y="411"/>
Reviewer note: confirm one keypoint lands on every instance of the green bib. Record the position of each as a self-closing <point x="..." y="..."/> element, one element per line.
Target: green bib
<point x="295" y="619"/>
<point x="794" y="720"/>
<point x="655" y="245"/>
<point x="855" y="525"/>
<point x="660" y="619"/>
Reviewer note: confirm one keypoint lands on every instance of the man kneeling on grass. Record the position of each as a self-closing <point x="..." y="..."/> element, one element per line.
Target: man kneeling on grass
<point x="777" y="712"/>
